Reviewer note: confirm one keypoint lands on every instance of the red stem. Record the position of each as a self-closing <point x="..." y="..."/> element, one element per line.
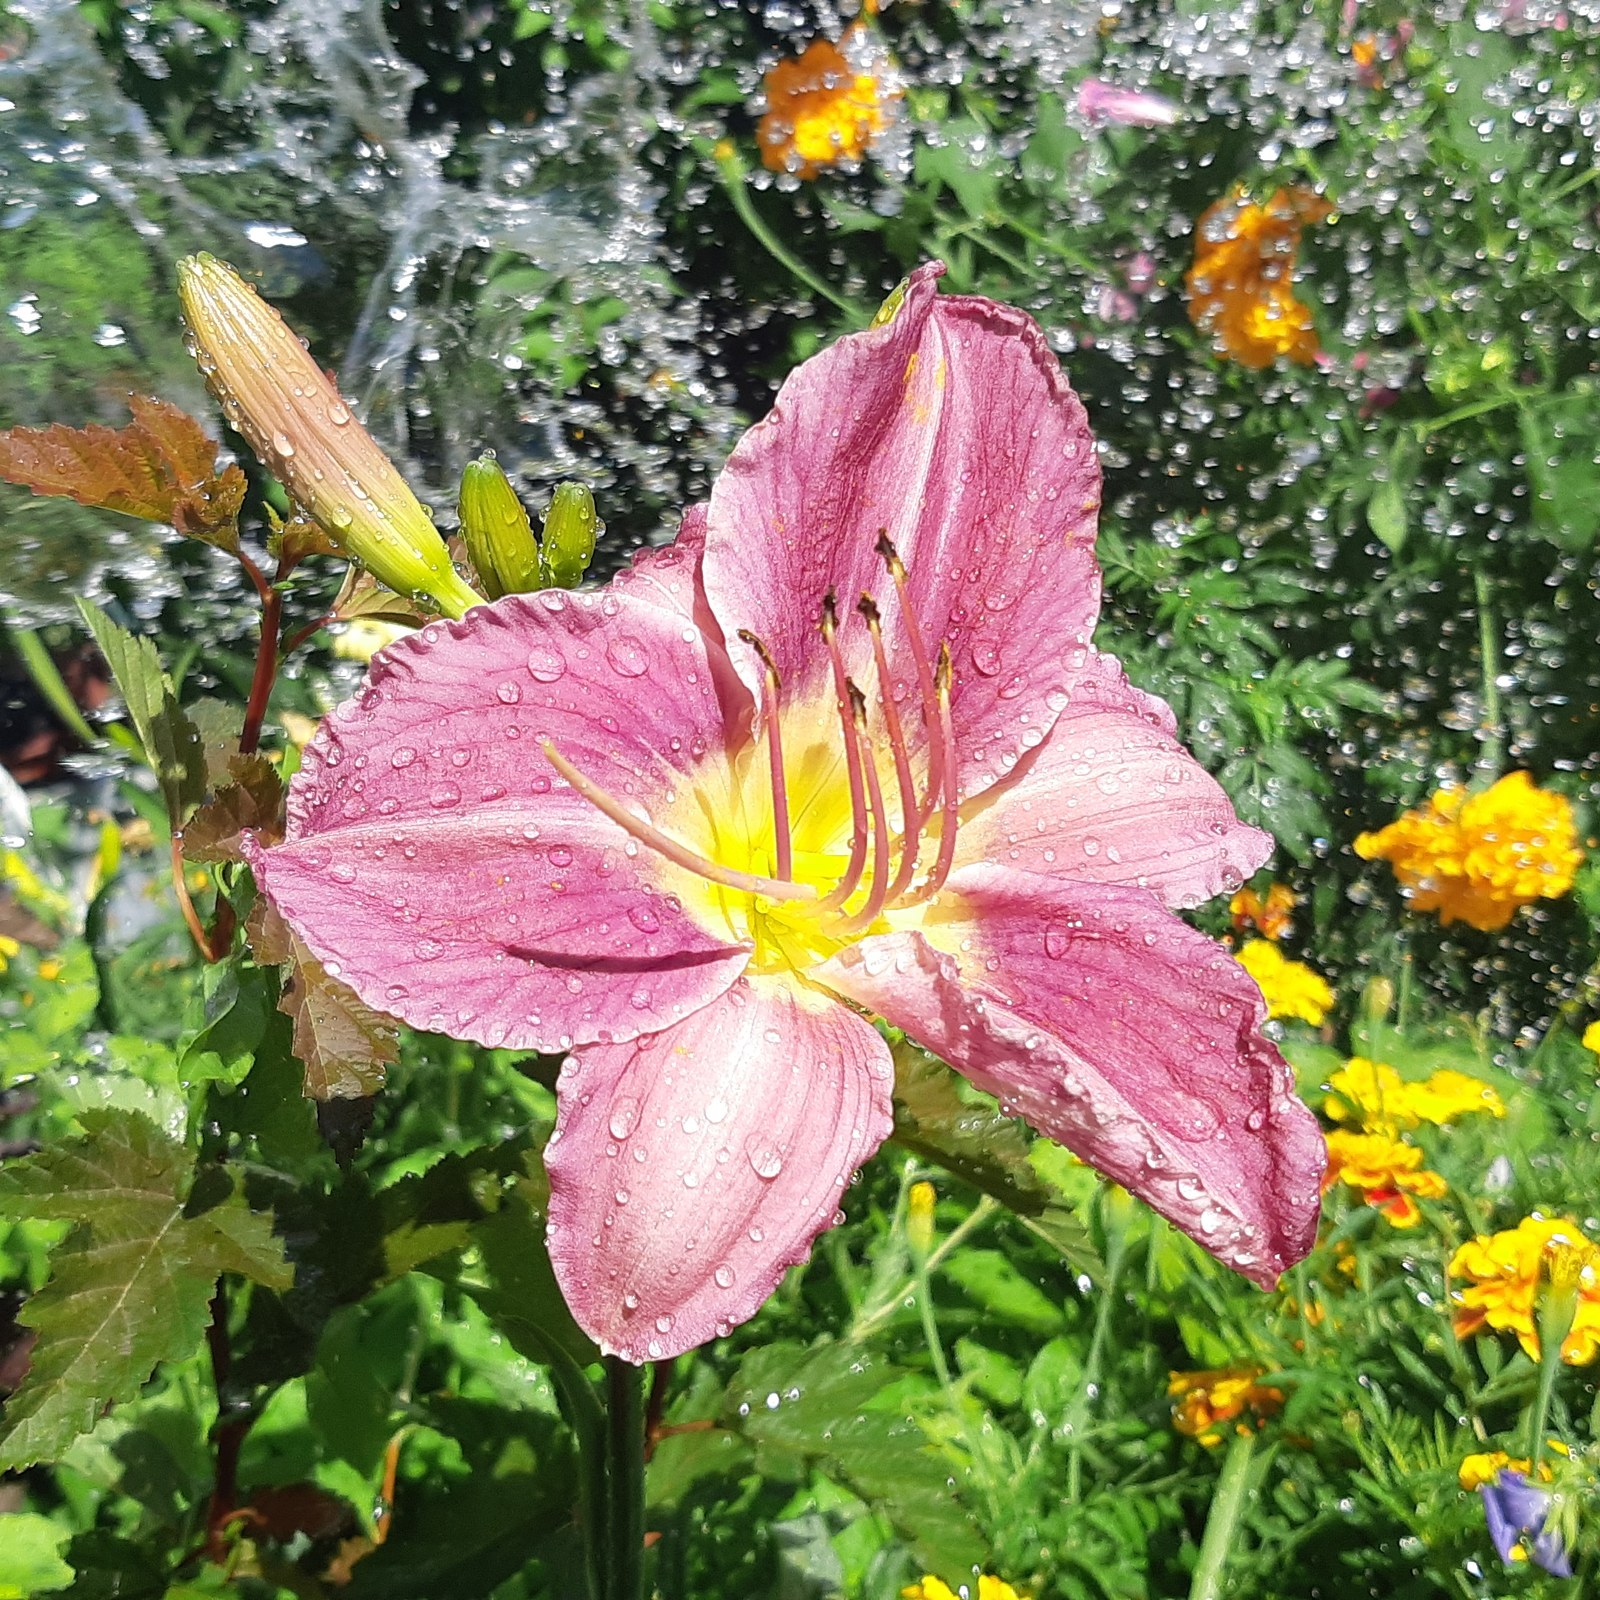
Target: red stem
<point x="255" y="710"/>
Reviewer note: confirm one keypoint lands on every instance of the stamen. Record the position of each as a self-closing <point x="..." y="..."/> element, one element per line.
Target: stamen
<point x="846" y="886"/>
<point x="948" y="820"/>
<point x="780" y="789"/>
<point x="919" y="655"/>
<point x="680" y="854"/>
<point x="910" y="812"/>
<point x="868" y="914"/>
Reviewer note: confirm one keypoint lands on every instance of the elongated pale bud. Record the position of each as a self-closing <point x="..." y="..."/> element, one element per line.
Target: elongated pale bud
<point x="277" y="396"/>
<point x="919" y="1219"/>
<point x="499" y="536"/>
<point x="570" y="527"/>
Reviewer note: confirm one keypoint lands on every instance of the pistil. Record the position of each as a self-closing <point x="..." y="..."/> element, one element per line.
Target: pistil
<point x="949" y="819"/>
<point x="910" y="814"/>
<point x="780" y="789"/>
<point x="919" y="656"/>
<point x="664" y="845"/>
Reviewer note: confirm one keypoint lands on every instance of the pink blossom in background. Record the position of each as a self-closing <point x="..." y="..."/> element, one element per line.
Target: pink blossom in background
<point x="1102" y="102"/>
<point x="842" y="750"/>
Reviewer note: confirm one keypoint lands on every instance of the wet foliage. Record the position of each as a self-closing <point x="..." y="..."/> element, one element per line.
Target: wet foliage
<point x="280" y="1271"/>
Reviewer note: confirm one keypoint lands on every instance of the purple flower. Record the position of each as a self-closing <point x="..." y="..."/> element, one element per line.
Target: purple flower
<point x="1099" y="102"/>
<point x="843" y="750"/>
<point x="1516" y="1511"/>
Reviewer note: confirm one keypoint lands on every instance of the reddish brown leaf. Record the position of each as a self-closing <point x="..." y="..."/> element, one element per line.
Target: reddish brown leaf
<point x="362" y="596"/>
<point x="253" y="800"/>
<point x="292" y="541"/>
<point x="283" y="1511"/>
<point x="345" y="1045"/>
<point x="271" y="943"/>
<point x="161" y="467"/>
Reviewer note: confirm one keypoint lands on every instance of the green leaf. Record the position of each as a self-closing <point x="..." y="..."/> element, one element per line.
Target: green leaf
<point x="236" y="1001"/>
<point x="989" y="1280"/>
<point x="1386" y="515"/>
<point x="170" y="740"/>
<point x="131" y="1284"/>
<point x="976" y="1142"/>
<point x="818" y="1404"/>
<point x="30" y="1556"/>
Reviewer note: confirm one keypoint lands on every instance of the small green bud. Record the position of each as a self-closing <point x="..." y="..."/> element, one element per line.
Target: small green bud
<point x="570" y="527"/>
<point x="886" y="311"/>
<point x="498" y="533"/>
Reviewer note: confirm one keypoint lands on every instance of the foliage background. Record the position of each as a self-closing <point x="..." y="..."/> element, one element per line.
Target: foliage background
<point x="512" y="226"/>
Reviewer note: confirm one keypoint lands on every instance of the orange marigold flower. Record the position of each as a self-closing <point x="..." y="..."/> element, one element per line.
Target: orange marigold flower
<point x="826" y="105"/>
<point x="1478" y="858"/>
<point x="1506" y="1271"/>
<point x="1204" y="1401"/>
<point x="1388" y="1172"/>
<point x="1241" y="284"/>
<point x="1271" y="914"/>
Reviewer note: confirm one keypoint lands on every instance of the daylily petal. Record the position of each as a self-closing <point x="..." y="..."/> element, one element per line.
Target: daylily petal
<point x="437" y="865"/>
<point x="952" y="428"/>
<point x="1122" y="1033"/>
<point x="1111" y="796"/>
<point x="690" y="1168"/>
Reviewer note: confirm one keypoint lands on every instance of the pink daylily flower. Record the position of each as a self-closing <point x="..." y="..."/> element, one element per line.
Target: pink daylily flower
<point x="1102" y="102"/>
<point x="843" y="750"/>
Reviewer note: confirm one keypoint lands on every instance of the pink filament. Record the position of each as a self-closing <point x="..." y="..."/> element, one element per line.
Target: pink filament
<point x="881" y="857"/>
<point x="854" y="762"/>
<point x="680" y="854"/>
<point x="949" y="820"/>
<point x="780" y="788"/>
<point x="919" y="655"/>
<point x="910" y="814"/>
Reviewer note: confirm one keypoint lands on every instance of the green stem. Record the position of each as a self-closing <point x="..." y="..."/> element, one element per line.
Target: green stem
<point x="1116" y="1250"/>
<point x="731" y="170"/>
<point x="1222" y="1522"/>
<point x="49" y="683"/>
<point x="1425" y="430"/>
<point x="873" y="1317"/>
<point x="625" y="1472"/>
<point x="1493" y="758"/>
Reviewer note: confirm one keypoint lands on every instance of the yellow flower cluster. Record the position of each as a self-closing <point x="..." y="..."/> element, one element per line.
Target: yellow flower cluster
<point x="1204" y="1401"/>
<point x="1487" y="1465"/>
<point x="824" y="106"/>
<point x="9" y="951"/>
<point x="1388" y="1172"/>
<point x="1505" y="1272"/>
<point x="932" y="1589"/>
<point x="1270" y="914"/>
<point x="1375" y="1095"/>
<point x="1241" y="284"/>
<point x="1290" y="988"/>
<point x="1477" y="858"/>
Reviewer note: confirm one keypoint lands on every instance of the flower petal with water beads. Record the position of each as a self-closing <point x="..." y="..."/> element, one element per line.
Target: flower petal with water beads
<point x="952" y="430"/>
<point x="1122" y="1033"/>
<point x="690" y="1168"/>
<point x="438" y="865"/>
<point x="1111" y="796"/>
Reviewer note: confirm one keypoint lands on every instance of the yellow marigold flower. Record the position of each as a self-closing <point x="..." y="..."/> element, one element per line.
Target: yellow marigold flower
<point x="1240" y="286"/>
<point x="1478" y="858"/>
<point x="1591" y="1037"/>
<point x="1290" y="988"/>
<point x="1505" y="1273"/>
<point x="1388" y="1172"/>
<point x="1487" y="1465"/>
<point x="50" y="969"/>
<point x="9" y="951"/>
<point x="930" y="1588"/>
<point x="1375" y="1095"/>
<point x="1270" y="914"/>
<point x="1204" y="1401"/>
<point x="825" y="105"/>
<point x="1448" y="1094"/>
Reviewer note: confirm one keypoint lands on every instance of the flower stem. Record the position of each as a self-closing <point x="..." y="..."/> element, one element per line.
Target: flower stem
<point x="625" y="1473"/>
<point x="1222" y="1522"/>
<point x="266" y="671"/>
<point x="1493" y="757"/>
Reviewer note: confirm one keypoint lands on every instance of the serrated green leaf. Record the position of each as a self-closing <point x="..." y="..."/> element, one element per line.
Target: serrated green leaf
<point x="131" y="1284"/>
<point x="1386" y="516"/>
<point x="170" y="740"/>
<point x="30" y="1556"/>
<point x="980" y="1145"/>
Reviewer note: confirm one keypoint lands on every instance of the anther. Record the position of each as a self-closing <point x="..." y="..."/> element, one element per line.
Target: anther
<point x="780" y="789"/>
<point x="664" y="845"/>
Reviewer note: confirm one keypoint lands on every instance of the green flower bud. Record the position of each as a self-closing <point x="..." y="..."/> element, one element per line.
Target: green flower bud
<point x="570" y="527"/>
<point x="885" y="312"/>
<point x="277" y="396"/>
<point x="499" y="536"/>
